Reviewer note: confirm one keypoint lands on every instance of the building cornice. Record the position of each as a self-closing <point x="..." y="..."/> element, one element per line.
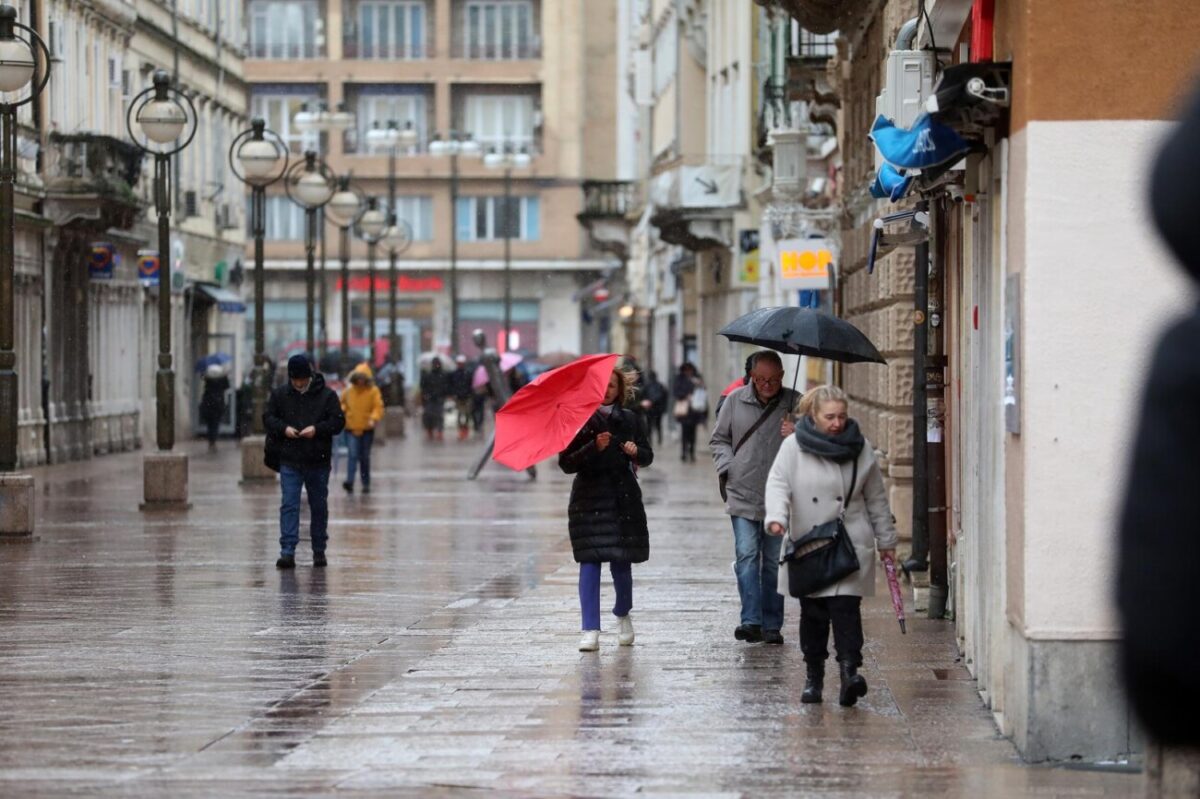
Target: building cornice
<point x="232" y="76"/>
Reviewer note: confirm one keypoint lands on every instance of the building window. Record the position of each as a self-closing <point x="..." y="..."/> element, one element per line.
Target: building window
<point x="417" y="212"/>
<point x="400" y="108"/>
<point x="283" y="29"/>
<point x="284" y="219"/>
<point x="279" y="109"/>
<point x="482" y="218"/>
<point x="666" y="54"/>
<point x="496" y="120"/>
<point x="499" y="30"/>
<point x="391" y="30"/>
<point x="807" y="44"/>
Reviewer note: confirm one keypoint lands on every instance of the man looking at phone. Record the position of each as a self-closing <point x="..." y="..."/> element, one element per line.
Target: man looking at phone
<point x="302" y="417"/>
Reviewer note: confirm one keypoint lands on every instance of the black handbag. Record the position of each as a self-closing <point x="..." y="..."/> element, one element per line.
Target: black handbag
<point x="823" y="555"/>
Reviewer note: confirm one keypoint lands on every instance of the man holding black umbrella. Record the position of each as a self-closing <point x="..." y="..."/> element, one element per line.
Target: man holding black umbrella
<point x="752" y="424"/>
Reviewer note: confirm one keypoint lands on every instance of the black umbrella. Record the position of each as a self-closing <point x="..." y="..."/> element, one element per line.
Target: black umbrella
<point x="803" y="331"/>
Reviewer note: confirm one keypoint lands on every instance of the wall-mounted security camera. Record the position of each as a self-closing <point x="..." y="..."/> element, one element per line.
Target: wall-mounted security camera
<point x="955" y="192"/>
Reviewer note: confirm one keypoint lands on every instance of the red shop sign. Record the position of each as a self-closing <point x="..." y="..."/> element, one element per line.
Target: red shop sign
<point x="404" y="283"/>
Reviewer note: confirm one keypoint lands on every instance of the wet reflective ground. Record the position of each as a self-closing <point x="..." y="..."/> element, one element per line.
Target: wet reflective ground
<point x="163" y="655"/>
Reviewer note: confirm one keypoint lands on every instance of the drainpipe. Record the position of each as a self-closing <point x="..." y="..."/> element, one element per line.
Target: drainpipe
<point x="919" y="559"/>
<point x="906" y="38"/>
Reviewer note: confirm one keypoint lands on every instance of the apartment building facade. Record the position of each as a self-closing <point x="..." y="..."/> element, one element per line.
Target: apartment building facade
<point x="514" y="76"/>
<point x="87" y="334"/>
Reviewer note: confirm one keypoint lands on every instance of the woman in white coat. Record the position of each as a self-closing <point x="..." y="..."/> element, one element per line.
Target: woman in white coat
<point x="812" y="480"/>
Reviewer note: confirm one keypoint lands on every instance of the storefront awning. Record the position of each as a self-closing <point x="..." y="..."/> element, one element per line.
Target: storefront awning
<point x="891" y="184"/>
<point x="226" y="301"/>
<point x="928" y="143"/>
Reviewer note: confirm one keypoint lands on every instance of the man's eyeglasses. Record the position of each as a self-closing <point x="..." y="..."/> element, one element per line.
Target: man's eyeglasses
<point x="768" y="381"/>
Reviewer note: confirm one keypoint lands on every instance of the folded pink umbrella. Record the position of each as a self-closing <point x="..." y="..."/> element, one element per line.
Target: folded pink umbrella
<point x="507" y="361"/>
<point x="889" y="566"/>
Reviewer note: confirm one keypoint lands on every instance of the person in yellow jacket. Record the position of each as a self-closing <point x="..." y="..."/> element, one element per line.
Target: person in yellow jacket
<point x="362" y="403"/>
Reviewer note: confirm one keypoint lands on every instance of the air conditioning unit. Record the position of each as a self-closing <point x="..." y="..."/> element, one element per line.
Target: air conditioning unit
<point x="191" y="204"/>
<point x="55" y="44"/>
<point x="908" y="82"/>
<point x="225" y="217"/>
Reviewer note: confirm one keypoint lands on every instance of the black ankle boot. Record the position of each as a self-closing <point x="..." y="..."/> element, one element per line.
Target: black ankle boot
<point x="853" y="685"/>
<point x="813" y="684"/>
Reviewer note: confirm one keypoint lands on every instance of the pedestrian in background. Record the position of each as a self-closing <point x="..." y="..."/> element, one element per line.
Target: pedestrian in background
<point x="606" y="518"/>
<point x="750" y="428"/>
<point x="302" y="417"/>
<point x="654" y="402"/>
<point x="826" y="469"/>
<point x="691" y="407"/>
<point x="362" y="404"/>
<point x="460" y="390"/>
<point x="1158" y="591"/>
<point x="433" y="401"/>
<point x="212" y="402"/>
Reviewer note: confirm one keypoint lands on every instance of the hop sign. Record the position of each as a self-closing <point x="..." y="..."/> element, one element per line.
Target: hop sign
<point x="805" y="263"/>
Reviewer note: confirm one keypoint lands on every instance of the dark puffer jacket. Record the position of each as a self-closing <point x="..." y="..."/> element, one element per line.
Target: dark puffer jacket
<point x="605" y="515"/>
<point x="287" y="407"/>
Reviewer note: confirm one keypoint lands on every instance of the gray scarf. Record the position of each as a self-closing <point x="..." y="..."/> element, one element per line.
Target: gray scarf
<point x="845" y="446"/>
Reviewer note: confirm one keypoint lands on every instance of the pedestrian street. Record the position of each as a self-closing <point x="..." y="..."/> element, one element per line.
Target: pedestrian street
<point x="164" y="655"/>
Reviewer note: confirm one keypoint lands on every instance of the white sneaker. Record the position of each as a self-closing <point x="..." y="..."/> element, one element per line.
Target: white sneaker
<point x="590" y="641"/>
<point x="625" y="631"/>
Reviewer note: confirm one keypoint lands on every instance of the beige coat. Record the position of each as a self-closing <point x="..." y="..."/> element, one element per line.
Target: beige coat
<point x="805" y="490"/>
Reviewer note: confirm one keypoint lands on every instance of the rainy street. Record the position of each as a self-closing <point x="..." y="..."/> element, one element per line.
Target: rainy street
<point x="150" y="655"/>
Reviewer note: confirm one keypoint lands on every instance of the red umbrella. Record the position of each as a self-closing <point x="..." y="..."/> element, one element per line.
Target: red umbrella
<point x="889" y="566"/>
<point x="544" y="415"/>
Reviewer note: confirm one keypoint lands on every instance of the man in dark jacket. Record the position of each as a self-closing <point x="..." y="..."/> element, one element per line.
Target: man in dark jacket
<point x="460" y="389"/>
<point x="302" y="417"/>
<point x="434" y="388"/>
<point x="654" y="402"/>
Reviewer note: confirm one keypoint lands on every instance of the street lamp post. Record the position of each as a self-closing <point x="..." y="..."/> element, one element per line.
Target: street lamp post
<point x="315" y="122"/>
<point x="22" y="55"/>
<point x="344" y="209"/>
<point x="454" y="146"/>
<point x="398" y="236"/>
<point x="258" y="157"/>
<point x="507" y="159"/>
<point x="310" y="184"/>
<point x="371" y="227"/>
<point x="164" y="114"/>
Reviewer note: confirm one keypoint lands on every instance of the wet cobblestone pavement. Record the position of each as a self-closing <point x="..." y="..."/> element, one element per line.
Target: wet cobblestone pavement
<point x="162" y="655"/>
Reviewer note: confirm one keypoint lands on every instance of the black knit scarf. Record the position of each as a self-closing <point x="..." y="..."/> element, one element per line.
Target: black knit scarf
<point x="843" y="447"/>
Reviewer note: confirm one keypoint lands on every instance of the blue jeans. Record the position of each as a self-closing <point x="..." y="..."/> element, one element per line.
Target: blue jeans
<point x="316" y="482"/>
<point x="589" y="591"/>
<point x="757" y="571"/>
<point x="360" y="452"/>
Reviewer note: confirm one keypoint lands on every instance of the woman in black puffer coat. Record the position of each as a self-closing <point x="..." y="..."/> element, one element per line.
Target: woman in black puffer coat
<point x="606" y="518"/>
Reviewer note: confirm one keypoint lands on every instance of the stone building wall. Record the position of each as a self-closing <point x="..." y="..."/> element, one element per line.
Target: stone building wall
<point x="881" y="303"/>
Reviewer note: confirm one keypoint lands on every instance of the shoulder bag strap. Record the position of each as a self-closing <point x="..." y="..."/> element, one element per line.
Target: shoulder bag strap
<point x="757" y="424"/>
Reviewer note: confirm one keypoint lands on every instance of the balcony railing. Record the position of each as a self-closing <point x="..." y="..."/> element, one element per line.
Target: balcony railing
<point x="353" y="48"/>
<point x="88" y="162"/>
<point x="285" y="51"/>
<point x="519" y="51"/>
<point x="611" y="198"/>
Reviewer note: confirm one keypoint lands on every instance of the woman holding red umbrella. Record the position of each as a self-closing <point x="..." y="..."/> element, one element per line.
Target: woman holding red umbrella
<point x="607" y="520"/>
